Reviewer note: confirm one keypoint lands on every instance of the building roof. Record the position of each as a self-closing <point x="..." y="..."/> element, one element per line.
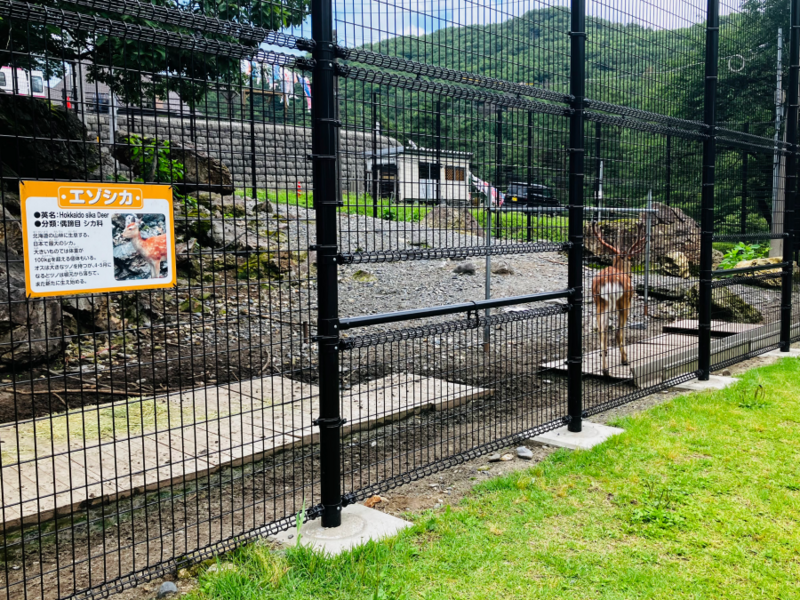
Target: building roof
<point x="416" y="150"/>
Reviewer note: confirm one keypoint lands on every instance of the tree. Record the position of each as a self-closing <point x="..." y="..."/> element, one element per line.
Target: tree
<point x="137" y="70"/>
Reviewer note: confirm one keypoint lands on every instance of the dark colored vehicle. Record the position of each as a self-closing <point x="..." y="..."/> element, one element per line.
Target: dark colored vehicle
<point x="530" y="195"/>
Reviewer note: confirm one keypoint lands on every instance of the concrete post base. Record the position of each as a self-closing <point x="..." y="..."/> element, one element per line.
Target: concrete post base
<point x="793" y="352"/>
<point x="359" y="525"/>
<point x="715" y="382"/>
<point x="591" y="435"/>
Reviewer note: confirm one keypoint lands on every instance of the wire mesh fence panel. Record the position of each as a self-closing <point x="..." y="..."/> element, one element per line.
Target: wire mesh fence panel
<point x="443" y="395"/>
<point x="144" y="429"/>
<point x="265" y="259"/>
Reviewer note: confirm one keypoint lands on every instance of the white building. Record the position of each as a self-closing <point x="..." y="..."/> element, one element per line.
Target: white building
<point x="415" y="174"/>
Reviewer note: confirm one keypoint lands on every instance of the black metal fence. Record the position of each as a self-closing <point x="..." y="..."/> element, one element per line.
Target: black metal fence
<point x="405" y="235"/>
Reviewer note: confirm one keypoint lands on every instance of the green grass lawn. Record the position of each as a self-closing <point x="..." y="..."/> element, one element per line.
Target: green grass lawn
<point x="512" y="225"/>
<point x="699" y="498"/>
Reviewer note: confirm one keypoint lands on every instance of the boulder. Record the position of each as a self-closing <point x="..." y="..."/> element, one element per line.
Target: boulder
<point x="237" y="234"/>
<point x="454" y="219"/>
<point x="264" y="206"/>
<point x="45" y="140"/>
<point x="665" y="291"/>
<point x="726" y="306"/>
<point x="11" y="232"/>
<point x="465" y="268"/>
<point x="502" y="268"/>
<point x="11" y="202"/>
<point x="775" y="281"/>
<point x="716" y="259"/>
<point x="230" y="205"/>
<point x="201" y="172"/>
<point x="671" y="230"/>
<point x="30" y="329"/>
<point x="675" y="264"/>
<point x="92" y="313"/>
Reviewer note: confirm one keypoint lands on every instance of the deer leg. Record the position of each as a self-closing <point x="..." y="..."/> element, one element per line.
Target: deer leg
<point x="155" y="267"/>
<point x="602" y="328"/>
<point x="622" y="319"/>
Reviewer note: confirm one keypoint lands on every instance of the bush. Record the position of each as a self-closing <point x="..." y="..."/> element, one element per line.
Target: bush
<point x="742" y="251"/>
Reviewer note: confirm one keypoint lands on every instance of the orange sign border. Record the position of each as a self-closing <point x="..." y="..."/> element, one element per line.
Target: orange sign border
<point x="49" y="189"/>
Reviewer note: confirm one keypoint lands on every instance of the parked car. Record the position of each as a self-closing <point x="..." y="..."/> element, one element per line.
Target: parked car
<point x="530" y="195"/>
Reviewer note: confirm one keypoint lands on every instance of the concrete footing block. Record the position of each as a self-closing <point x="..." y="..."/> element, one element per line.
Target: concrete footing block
<point x="590" y="436"/>
<point x="715" y="382"/>
<point x="793" y="352"/>
<point x="359" y="525"/>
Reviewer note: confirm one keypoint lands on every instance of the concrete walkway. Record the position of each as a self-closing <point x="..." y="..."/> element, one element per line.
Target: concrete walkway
<point x="65" y="462"/>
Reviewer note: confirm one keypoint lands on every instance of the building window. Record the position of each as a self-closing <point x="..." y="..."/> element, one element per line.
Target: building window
<point x="429" y="170"/>
<point x="455" y="173"/>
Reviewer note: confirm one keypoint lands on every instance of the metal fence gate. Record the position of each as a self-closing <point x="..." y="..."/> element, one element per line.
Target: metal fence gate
<point x="405" y="235"/>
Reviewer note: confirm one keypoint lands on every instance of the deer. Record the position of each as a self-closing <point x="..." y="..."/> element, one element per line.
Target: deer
<point x="612" y="289"/>
<point x="152" y="249"/>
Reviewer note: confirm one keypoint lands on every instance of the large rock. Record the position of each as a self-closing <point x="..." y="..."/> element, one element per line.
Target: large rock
<point x="92" y="313"/>
<point x="49" y="140"/>
<point x="238" y="234"/>
<point x="10" y="232"/>
<point x="675" y="264"/>
<point x="775" y="281"/>
<point x="230" y="205"/>
<point x="726" y="306"/>
<point x="672" y="231"/>
<point x="201" y="172"/>
<point x="665" y="290"/>
<point x="455" y="219"/>
<point x="30" y="329"/>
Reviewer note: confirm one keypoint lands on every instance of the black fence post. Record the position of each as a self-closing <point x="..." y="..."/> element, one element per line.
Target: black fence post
<point x="745" y="175"/>
<point x="576" y="175"/>
<point x="324" y="147"/>
<point x="790" y="199"/>
<point x="253" y="174"/>
<point x="707" y="199"/>
<point x="375" y="169"/>
<point x="498" y="166"/>
<point x="668" y="189"/>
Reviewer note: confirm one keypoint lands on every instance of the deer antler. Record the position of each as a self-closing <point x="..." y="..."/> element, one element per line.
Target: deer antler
<point x="600" y="239"/>
<point x="641" y="238"/>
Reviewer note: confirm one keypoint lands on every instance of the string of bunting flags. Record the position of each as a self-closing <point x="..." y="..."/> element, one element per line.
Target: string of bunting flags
<point x="496" y="197"/>
<point x="281" y="79"/>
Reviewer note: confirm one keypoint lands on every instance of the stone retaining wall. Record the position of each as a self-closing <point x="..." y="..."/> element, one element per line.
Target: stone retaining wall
<point x="281" y="150"/>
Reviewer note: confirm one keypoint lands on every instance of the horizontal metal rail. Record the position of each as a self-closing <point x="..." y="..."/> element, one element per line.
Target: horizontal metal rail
<point x="646" y="126"/>
<point x="140" y="33"/>
<point x="184" y="18"/>
<point x="546" y="209"/>
<point x="450" y="309"/>
<point x="397" y="63"/>
<point x="643" y="115"/>
<point x="386" y="256"/>
<point x="734" y="237"/>
<point x="385" y="78"/>
<point x="719" y="272"/>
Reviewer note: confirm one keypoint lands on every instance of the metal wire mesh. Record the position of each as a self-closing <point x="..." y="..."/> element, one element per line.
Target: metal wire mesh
<point x="524" y="214"/>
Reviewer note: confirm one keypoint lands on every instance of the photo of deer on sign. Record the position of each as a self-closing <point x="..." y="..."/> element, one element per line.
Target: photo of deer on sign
<point x="140" y="246"/>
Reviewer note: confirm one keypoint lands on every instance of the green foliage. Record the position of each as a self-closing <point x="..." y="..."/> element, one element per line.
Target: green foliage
<point x="154" y="163"/>
<point x="657" y="507"/>
<point x="141" y="71"/>
<point x="743" y="251"/>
